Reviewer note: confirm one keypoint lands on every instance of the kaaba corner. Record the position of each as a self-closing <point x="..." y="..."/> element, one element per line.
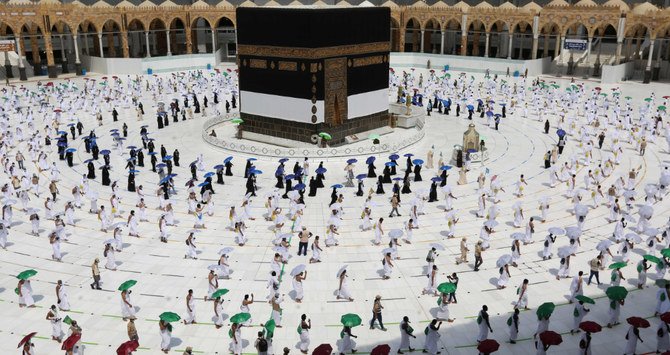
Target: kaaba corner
<point x="303" y="71"/>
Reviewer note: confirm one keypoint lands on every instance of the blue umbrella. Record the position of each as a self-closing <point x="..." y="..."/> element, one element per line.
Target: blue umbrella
<point x="320" y="170"/>
<point x="498" y="115"/>
<point x="61" y="144"/>
<point x="71" y="125"/>
<point x="283" y="160"/>
<point x="472" y="150"/>
<point x="227" y="159"/>
<point x="161" y="165"/>
<point x="390" y="163"/>
<point x="408" y="155"/>
<point x="470" y="107"/>
<point x="164" y="180"/>
<point x="351" y="161"/>
<point x="144" y="126"/>
<point x="503" y="104"/>
<point x="70" y="150"/>
<point x="115" y="134"/>
<point x="152" y="153"/>
<point x="489" y="113"/>
<point x="204" y="183"/>
<point x="167" y="157"/>
<point x="492" y="102"/>
<point x="208" y="174"/>
<point x="62" y="132"/>
<point x="370" y="160"/>
<point x="252" y="159"/>
<point x="131" y="147"/>
<point x="561" y="133"/>
<point x="480" y="101"/>
<point x="130" y="159"/>
<point x="361" y="176"/>
<point x="299" y="187"/>
<point x="88" y="160"/>
<point x="394" y="157"/>
<point x="289" y="177"/>
<point x="337" y="186"/>
<point x="121" y="139"/>
<point x="113" y="130"/>
<point x="105" y="152"/>
<point x="133" y="171"/>
<point x="172" y="175"/>
<point x="256" y="172"/>
<point x="217" y="167"/>
<point x="446" y="167"/>
<point x="417" y="161"/>
<point x="397" y="179"/>
<point x="436" y="179"/>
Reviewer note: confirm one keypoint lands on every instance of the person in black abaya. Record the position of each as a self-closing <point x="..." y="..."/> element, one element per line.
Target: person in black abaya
<point x="219" y="176"/>
<point x="371" y="170"/>
<point x="105" y="175"/>
<point x="333" y="196"/>
<point x="153" y="162"/>
<point x="194" y="171"/>
<point x="405" y="186"/>
<point x="313" y="186"/>
<point x="380" y="186"/>
<point x="159" y="121"/>
<point x="387" y="175"/>
<point x="175" y="157"/>
<point x="289" y="185"/>
<point x="409" y="163"/>
<point x="131" y="182"/>
<point x="69" y="156"/>
<point x="105" y="158"/>
<point x="432" y="195"/>
<point x="91" y="170"/>
<point x="229" y="167"/>
<point x="360" y="192"/>
<point x="417" y="173"/>
<point x="443" y="176"/>
<point x="247" y="169"/>
<point x="393" y="166"/>
<point x="250" y="186"/>
<point x="140" y="158"/>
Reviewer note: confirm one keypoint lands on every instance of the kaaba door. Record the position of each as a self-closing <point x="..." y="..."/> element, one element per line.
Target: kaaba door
<point x="335" y="80"/>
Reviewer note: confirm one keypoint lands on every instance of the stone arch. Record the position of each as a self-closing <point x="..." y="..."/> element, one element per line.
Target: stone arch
<point x="432" y="36"/>
<point x="61" y="37"/>
<point x="477" y="45"/>
<point x="395" y="35"/>
<point x="522" y="42"/>
<point x="412" y="35"/>
<point x="225" y="37"/>
<point x="157" y="37"/>
<point x="177" y="36"/>
<point x="635" y="36"/>
<point x="499" y="39"/>
<point x="30" y="35"/>
<point x="111" y="38"/>
<point x="136" y="38"/>
<point x="452" y="36"/>
<point x="201" y="35"/>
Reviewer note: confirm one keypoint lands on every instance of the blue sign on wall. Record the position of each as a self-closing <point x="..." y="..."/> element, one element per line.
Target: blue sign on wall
<point x="575" y="44"/>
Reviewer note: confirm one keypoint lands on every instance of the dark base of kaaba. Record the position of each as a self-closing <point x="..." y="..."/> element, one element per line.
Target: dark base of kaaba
<point x="77" y="68"/>
<point x="8" y="71"/>
<point x="303" y="132"/>
<point x="52" y="72"/>
<point x="22" y="74"/>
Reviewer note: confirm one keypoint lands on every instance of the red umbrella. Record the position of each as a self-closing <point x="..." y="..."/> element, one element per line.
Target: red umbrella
<point x="104" y="78"/>
<point x="590" y="327"/>
<point x="665" y="317"/>
<point x="638" y="322"/>
<point x="382" y="349"/>
<point x="50" y="83"/>
<point x="26" y="339"/>
<point x="323" y="349"/>
<point x="598" y="88"/>
<point x="115" y="77"/>
<point x="488" y="346"/>
<point x="68" y="344"/>
<point x="666" y="97"/>
<point x="549" y="337"/>
<point x="127" y="347"/>
<point x="58" y="110"/>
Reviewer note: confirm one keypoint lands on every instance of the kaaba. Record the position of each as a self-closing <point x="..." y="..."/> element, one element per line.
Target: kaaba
<point x="307" y="71"/>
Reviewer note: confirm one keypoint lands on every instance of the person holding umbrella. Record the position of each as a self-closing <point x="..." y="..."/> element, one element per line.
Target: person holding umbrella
<point x="299" y="274"/>
<point x="343" y="290"/>
<point x="484" y="324"/>
<point x="56" y="324"/>
<point x="617" y="296"/>
<point x="405" y="333"/>
<point x="165" y="330"/>
<point x="579" y="312"/>
<point x="303" y="331"/>
<point x="127" y="309"/>
<point x="28" y="348"/>
<point x="432" y="337"/>
<point x="633" y="334"/>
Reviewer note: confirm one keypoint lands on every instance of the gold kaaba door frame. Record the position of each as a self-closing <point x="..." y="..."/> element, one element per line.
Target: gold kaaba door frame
<point x="335" y="84"/>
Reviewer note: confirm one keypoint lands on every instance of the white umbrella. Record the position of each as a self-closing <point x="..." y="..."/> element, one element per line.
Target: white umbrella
<point x="573" y="232"/>
<point x="437" y="246"/>
<point x="629" y="193"/>
<point x="603" y="245"/>
<point x="646" y="211"/>
<point x="293" y="194"/>
<point x="194" y="231"/>
<point x="504" y="260"/>
<point x="226" y="250"/>
<point x="517" y="205"/>
<point x="342" y="269"/>
<point x="556" y="231"/>
<point x="334" y="220"/>
<point x="213" y="267"/>
<point x="651" y="232"/>
<point x="491" y="223"/>
<point x="279" y="249"/>
<point x="581" y="210"/>
<point x="286" y="236"/>
<point x="10" y="202"/>
<point x="395" y="233"/>
<point x="33" y="210"/>
<point x="518" y="236"/>
<point x="109" y="241"/>
<point x="650" y="189"/>
<point x="388" y="250"/>
<point x="633" y="238"/>
<point x="564" y="251"/>
<point x="300" y="206"/>
<point x="335" y="206"/>
<point x="629" y="218"/>
<point x="298" y="269"/>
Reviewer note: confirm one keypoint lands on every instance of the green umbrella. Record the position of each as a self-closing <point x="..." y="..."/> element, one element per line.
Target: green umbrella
<point x="219" y="293"/>
<point x="653" y="259"/>
<point x="127" y="285"/>
<point x="665" y="252"/>
<point x="25" y="275"/>
<point x="67" y="320"/>
<point x="662" y="108"/>
<point x="16" y="290"/>
<point x="585" y="299"/>
<point x="325" y="136"/>
<point x="240" y="318"/>
<point x="647" y="99"/>
<point x="237" y="120"/>
<point x="628" y="97"/>
<point x="616" y="293"/>
<point x="270" y="326"/>
<point x="545" y="310"/>
<point x="555" y="86"/>
<point x="169" y="317"/>
<point x="447" y="287"/>
<point x="374" y="136"/>
<point x="618" y="265"/>
<point x="350" y="320"/>
<point x="603" y="94"/>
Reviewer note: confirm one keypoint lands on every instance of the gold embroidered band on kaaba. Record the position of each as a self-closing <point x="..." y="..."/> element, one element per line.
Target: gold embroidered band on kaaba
<point x="312" y="53"/>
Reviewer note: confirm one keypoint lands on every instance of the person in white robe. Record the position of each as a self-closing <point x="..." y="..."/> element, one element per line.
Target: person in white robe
<point x="432" y="337"/>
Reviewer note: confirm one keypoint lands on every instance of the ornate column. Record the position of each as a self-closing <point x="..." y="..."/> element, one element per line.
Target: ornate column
<point x="464" y="34"/>
<point x="657" y="65"/>
<point x="638" y="46"/>
<point x="51" y="64"/>
<point x="110" y="45"/>
<point x="8" y="66"/>
<point x="442" y="34"/>
<point x="647" y="69"/>
<point x="557" y="46"/>
<point x="189" y="40"/>
<point x="124" y="44"/>
<point x="34" y="48"/>
<point x="401" y="39"/>
<point x="102" y="51"/>
<point x="486" y="46"/>
<point x="423" y="33"/>
<point x="536" y="36"/>
<point x="167" y="40"/>
<point x="617" y="59"/>
<point x="19" y="51"/>
<point x="545" y="46"/>
<point x="475" y="44"/>
<point x="559" y="62"/>
<point x="77" y="63"/>
<point x="588" y="50"/>
<point x="63" y="58"/>
<point x="85" y="41"/>
<point x="620" y="32"/>
<point x="146" y="38"/>
<point x="214" y="39"/>
<point x="510" y="45"/>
